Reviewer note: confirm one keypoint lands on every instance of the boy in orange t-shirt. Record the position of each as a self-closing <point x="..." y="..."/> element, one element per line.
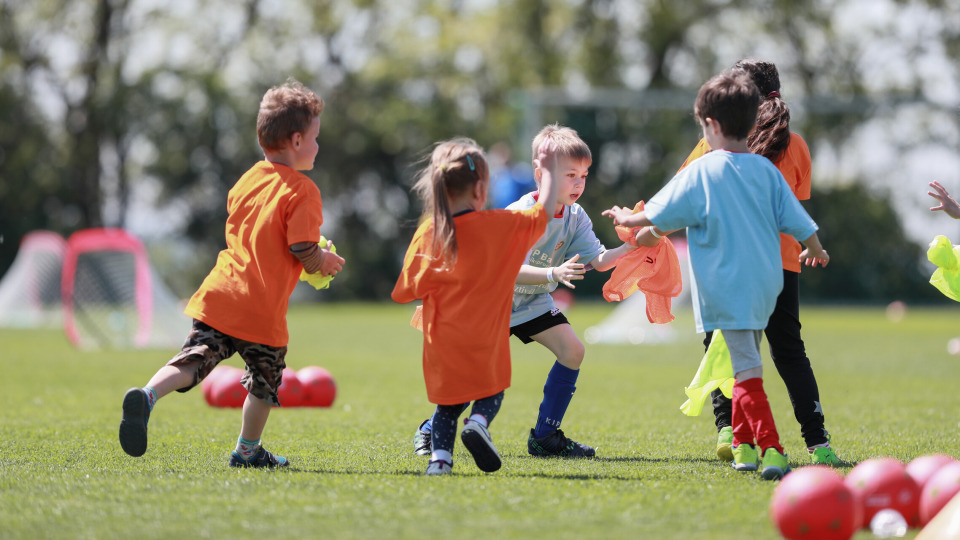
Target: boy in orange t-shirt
<point x="275" y="213"/>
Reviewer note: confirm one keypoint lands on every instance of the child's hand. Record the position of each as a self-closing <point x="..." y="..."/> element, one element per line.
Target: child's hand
<point x="569" y="271"/>
<point x="331" y="264"/>
<point x="618" y="214"/>
<point x="547" y="156"/>
<point x="947" y="203"/>
<point x="813" y="259"/>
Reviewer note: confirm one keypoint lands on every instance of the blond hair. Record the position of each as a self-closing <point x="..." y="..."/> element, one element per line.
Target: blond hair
<point x="285" y="110"/>
<point x="455" y="167"/>
<point x="569" y="144"/>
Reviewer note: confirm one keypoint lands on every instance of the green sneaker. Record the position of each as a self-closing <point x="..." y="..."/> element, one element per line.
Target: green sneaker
<point x="775" y="465"/>
<point x="745" y="457"/>
<point x="824" y="455"/>
<point x="724" y="444"/>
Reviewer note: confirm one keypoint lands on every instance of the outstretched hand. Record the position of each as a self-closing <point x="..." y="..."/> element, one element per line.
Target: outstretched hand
<point x="618" y="214"/>
<point x="821" y="258"/>
<point x="569" y="271"/>
<point x="947" y="203"/>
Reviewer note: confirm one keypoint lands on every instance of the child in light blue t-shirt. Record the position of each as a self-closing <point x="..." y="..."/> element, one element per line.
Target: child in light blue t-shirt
<point x="733" y="205"/>
<point x="566" y="250"/>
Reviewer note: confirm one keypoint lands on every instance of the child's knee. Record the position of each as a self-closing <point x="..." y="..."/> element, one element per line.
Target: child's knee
<point x="572" y="355"/>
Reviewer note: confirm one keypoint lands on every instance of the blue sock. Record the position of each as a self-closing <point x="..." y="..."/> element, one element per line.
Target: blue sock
<point x="151" y="396"/>
<point x="557" y="393"/>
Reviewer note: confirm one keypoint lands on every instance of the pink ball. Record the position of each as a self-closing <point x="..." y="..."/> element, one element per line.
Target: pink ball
<point x="940" y="488"/>
<point x="227" y="390"/>
<point x="924" y="467"/>
<point x="880" y="483"/>
<point x="291" y="392"/>
<point x="814" y="503"/>
<point x="206" y="385"/>
<point x="319" y="387"/>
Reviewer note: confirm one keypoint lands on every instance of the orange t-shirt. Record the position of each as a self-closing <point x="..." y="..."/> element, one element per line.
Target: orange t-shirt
<point x="247" y="293"/>
<point x="795" y="165"/>
<point x="466" y="310"/>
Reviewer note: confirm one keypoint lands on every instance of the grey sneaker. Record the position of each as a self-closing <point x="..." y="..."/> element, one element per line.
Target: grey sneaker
<point x="557" y="445"/>
<point x="477" y="440"/>
<point x="261" y="460"/>
<point x="438" y="467"/>
<point x="133" y="425"/>
<point x="422" y="445"/>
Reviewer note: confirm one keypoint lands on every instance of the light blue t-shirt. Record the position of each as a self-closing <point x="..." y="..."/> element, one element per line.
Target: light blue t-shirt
<point x="733" y="205"/>
<point x="565" y="237"/>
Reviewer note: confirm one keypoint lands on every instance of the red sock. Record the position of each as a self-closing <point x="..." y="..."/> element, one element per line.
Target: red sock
<point x="752" y="418"/>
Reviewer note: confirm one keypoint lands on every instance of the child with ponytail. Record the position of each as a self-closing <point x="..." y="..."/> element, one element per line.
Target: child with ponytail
<point x="462" y="263"/>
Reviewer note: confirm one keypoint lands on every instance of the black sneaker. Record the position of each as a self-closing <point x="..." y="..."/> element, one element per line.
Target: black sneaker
<point x="422" y="444"/>
<point x="477" y="440"/>
<point x="133" y="425"/>
<point x="262" y="459"/>
<point x="555" y="444"/>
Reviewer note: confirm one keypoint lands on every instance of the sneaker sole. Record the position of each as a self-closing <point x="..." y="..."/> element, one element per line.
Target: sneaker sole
<point x="483" y="452"/>
<point x="133" y="427"/>
<point x="773" y="473"/>
<point x="746" y="467"/>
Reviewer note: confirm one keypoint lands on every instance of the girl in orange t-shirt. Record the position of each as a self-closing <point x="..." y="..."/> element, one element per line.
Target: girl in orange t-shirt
<point x="462" y="262"/>
<point x="788" y="151"/>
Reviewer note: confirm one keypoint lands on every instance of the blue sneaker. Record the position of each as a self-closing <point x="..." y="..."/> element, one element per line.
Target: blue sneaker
<point x="133" y="425"/>
<point x="261" y="460"/>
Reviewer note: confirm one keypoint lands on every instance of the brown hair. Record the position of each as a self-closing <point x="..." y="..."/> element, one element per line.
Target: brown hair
<point x="772" y="134"/>
<point x="731" y="99"/>
<point x="285" y="110"/>
<point x="569" y="144"/>
<point x="454" y="167"/>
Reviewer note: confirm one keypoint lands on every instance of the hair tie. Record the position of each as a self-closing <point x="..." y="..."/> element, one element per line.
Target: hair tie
<point x="773" y="94"/>
<point x="442" y="167"/>
<point x="470" y="163"/>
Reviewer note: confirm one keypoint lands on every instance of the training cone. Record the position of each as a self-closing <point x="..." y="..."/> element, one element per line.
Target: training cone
<point x="940" y="489"/>
<point x="945" y="525"/>
<point x="924" y="467"/>
<point x="814" y="503"/>
<point x="290" y="392"/>
<point x="319" y="388"/>
<point x="227" y="390"/>
<point x="880" y="483"/>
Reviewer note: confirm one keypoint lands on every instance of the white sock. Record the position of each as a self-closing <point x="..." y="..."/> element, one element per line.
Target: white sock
<point x="247" y="449"/>
<point x="479" y="418"/>
<point x="442" y="454"/>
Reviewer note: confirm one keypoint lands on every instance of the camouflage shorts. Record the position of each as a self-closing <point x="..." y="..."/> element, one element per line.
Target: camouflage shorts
<point x="206" y="347"/>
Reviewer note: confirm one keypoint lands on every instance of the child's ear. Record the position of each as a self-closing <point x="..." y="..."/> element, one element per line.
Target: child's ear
<point x="295" y="140"/>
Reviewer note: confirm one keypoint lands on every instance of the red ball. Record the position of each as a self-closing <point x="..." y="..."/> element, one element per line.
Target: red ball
<point x="291" y="392"/>
<point x="880" y="483"/>
<point x="206" y="385"/>
<point x="940" y="488"/>
<point x="227" y="390"/>
<point x="319" y="386"/>
<point x="924" y="467"/>
<point x="814" y="503"/>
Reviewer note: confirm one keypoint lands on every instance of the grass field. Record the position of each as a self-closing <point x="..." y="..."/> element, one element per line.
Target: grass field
<point x="888" y="389"/>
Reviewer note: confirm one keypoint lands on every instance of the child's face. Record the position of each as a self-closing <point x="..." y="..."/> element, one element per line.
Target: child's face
<point x="572" y="179"/>
<point x="306" y="152"/>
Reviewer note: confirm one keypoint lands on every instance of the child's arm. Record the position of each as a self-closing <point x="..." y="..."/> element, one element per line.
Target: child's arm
<point x="316" y="259"/>
<point x="608" y="259"/>
<point x="569" y="271"/>
<point x="647" y="236"/>
<point x="947" y="203"/>
<point x="548" y="162"/>
<point x="814" y="253"/>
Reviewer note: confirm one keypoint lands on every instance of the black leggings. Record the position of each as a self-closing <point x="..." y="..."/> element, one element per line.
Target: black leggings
<point x="444" y="423"/>
<point x="790" y="359"/>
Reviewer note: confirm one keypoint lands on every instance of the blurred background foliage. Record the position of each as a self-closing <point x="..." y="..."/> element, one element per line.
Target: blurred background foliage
<point x="141" y="114"/>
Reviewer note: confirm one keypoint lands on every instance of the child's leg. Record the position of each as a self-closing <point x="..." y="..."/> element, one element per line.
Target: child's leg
<point x="476" y="438"/>
<point x="752" y="417"/>
<point x="486" y="409"/>
<point x="445" y="430"/>
<point x="561" y="381"/>
<point x="790" y="358"/>
<point x="262" y="379"/>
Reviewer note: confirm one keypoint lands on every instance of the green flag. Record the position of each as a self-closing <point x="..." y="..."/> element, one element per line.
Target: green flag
<point x="946" y="278"/>
<point x="715" y="371"/>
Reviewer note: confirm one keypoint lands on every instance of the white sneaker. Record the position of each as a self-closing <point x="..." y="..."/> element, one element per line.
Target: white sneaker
<point x="438" y="467"/>
<point x="477" y="440"/>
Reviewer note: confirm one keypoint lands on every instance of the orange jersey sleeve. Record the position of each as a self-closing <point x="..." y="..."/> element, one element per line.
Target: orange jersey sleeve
<point x="466" y="309"/>
<point x="246" y="294"/>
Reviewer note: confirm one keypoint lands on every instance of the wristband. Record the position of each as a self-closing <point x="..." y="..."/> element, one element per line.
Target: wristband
<point x="653" y="231"/>
<point x="550" y="278"/>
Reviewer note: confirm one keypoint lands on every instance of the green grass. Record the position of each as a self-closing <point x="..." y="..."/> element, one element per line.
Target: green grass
<point x="888" y="389"/>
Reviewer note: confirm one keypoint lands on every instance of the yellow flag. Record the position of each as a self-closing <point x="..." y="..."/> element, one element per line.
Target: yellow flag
<point x="715" y="371"/>
<point x="318" y="280"/>
<point x="946" y="278"/>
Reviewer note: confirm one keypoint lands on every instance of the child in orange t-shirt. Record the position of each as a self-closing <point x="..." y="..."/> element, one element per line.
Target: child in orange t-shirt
<point x="772" y="138"/>
<point x="462" y="262"/>
<point x="275" y="213"/>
